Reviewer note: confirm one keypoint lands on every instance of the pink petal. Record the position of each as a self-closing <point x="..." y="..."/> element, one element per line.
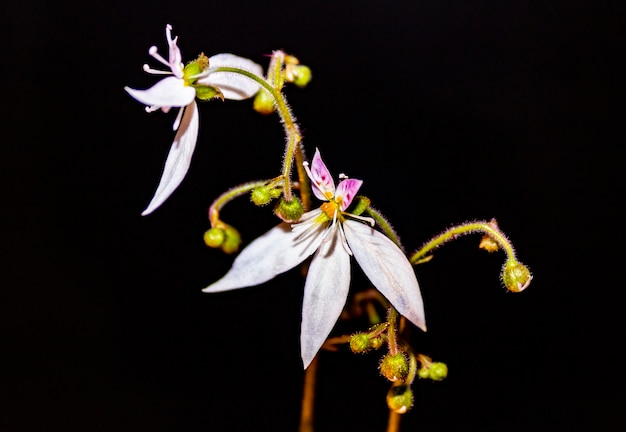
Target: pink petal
<point x="322" y="182"/>
<point x="346" y="191"/>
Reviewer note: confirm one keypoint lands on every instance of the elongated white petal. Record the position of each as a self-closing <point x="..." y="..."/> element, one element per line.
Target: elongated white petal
<point x="275" y="252"/>
<point x="388" y="269"/>
<point x="325" y="294"/>
<point x="232" y="85"/>
<point x="168" y="92"/>
<point x="178" y="159"/>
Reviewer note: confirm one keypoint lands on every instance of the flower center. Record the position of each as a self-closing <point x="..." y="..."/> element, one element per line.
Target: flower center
<point x="331" y="208"/>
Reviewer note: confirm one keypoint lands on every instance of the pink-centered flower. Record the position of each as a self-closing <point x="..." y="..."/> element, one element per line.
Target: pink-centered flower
<point x="332" y="236"/>
<point x="179" y="89"/>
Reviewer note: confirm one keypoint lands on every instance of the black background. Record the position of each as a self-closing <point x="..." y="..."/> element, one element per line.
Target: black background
<point x="449" y="111"/>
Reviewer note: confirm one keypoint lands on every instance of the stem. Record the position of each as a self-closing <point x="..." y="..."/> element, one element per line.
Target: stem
<point x="308" y="397"/>
<point x="392" y="316"/>
<point x="393" y="423"/>
<point x="229" y="195"/>
<point x="384" y="225"/>
<point x="488" y="228"/>
<point x="292" y="131"/>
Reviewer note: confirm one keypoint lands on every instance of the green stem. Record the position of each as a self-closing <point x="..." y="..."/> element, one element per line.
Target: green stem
<point x="384" y="225"/>
<point x="466" y="228"/>
<point x="292" y="131"/>
<point x="229" y="195"/>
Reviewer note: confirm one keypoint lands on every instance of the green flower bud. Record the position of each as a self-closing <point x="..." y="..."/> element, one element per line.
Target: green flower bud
<point x="400" y="398"/>
<point x="289" y="211"/>
<point x="261" y="196"/>
<point x="376" y="342"/>
<point x="516" y="276"/>
<point x="438" y="371"/>
<point x="301" y="75"/>
<point x="360" y="343"/>
<point x="232" y="240"/>
<point x="394" y="367"/>
<point x="264" y="102"/>
<point x="214" y="237"/>
<point x="423" y="372"/>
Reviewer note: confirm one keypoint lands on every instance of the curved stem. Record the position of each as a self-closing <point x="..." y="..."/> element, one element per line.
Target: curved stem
<point x="384" y="225"/>
<point x="489" y="228"/>
<point x="292" y="131"/>
<point x="229" y="195"/>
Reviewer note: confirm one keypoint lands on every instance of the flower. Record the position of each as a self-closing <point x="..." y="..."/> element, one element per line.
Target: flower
<point x="180" y="89"/>
<point x="332" y="236"/>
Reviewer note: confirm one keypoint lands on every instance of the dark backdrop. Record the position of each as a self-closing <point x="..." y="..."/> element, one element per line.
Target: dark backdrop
<point x="450" y="111"/>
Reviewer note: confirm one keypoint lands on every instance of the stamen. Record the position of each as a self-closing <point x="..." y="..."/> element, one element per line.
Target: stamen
<point x="343" y="176"/>
<point x="369" y="220"/>
<point x="179" y="116"/>
<point x="152" y="108"/>
<point x="344" y="242"/>
<point x="153" y="51"/>
<point x="305" y="165"/>
<point x="147" y="68"/>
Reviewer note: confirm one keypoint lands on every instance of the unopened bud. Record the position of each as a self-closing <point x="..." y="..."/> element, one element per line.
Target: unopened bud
<point x="264" y="102"/>
<point x="261" y="196"/>
<point x="438" y="371"/>
<point x="360" y="343"/>
<point x="400" y="398"/>
<point x="301" y="75"/>
<point x="376" y="342"/>
<point x="232" y="240"/>
<point x="394" y="367"/>
<point x="214" y="237"/>
<point x="516" y="276"/>
<point x="289" y="211"/>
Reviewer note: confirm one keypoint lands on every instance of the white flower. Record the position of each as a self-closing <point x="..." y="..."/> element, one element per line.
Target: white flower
<point x="332" y="235"/>
<point x="179" y="90"/>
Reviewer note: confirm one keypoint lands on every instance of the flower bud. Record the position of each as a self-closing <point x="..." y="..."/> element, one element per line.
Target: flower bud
<point x="438" y="371"/>
<point x="214" y="237"/>
<point x="376" y="342"/>
<point x="394" y="367"/>
<point x="289" y="211"/>
<point x="232" y="240"/>
<point x="423" y="372"/>
<point x="301" y="75"/>
<point x="400" y="398"/>
<point x="261" y="196"/>
<point x="360" y="343"/>
<point x="516" y="276"/>
<point x="264" y="102"/>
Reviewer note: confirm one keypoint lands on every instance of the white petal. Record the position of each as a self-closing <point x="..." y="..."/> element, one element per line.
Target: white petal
<point x="275" y="252"/>
<point x="232" y="85"/>
<point x="388" y="269"/>
<point x="168" y="92"/>
<point x="178" y="159"/>
<point x="325" y="294"/>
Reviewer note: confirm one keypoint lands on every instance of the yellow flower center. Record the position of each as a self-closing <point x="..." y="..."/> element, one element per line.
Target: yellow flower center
<point x="331" y="208"/>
